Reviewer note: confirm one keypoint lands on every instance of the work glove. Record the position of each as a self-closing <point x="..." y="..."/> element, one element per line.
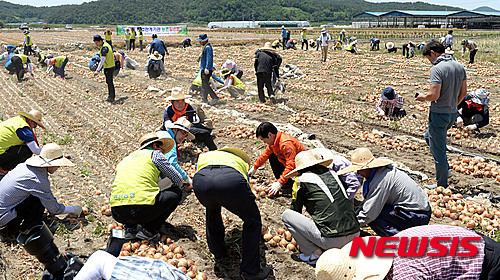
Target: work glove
<point x="460" y="122"/>
<point x="78" y="210"/>
<point x="274" y="188"/>
<point x="471" y="127"/>
<point x="252" y="172"/>
<point x="206" y="71"/>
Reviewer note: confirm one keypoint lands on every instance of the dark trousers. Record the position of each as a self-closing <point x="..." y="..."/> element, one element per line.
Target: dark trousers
<point x="471" y="56"/>
<point x="108" y="72"/>
<point x="240" y="73"/>
<point x="110" y="43"/>
<point x="491" y="262"/>
<point x="14" y="156"/>
<point x="132" y="44"/>
<point x="186" y="44"/>
<point x="203" y="135"/>
<point x="234" y="194"/>
<point x="150" y="217"/>
<point x="29" y="214"/>
<point x="18" y="65"/>
<point x="393" y="220"/>
<point x="140" y="45"/>
<point x="264" y="79"/>
<point x="376" y="45"/>
<point x="60" y="70"/>
<point x="394" y="50"/>
<point x="304" y="42"/>
<point x="205" y="85"/>
<point x="28" y="50"/>
<point x="283" y="42"/>
<point x="278" y="169"/>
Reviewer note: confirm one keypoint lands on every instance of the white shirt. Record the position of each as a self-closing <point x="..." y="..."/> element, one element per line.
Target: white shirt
<point x="324" y="38"/>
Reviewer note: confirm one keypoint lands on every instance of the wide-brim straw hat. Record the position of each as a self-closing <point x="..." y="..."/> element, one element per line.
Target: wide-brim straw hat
<point x="156" y="56"/>
<point x="480" y="96"/>
<point x="237" y="152"/>
<point x="389" y="45"/>
<point x="50" y="156"/>
<point x="267" y="47"/>
<point x="337" y="264"/>
<point x="33" y="115"/>
<point x="184" y="124"/>
<point x="323" y="30"/>
<point x="307" y="159"/>
<point x="177" y="94"/>
<point x="152" y="137"/>
<point x="362" y="158"/>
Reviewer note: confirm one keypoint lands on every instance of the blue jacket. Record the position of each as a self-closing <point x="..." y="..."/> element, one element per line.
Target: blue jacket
<point x="283" y="33"/>
<point x="158" y="45"/>
<point x="207" y="60"/>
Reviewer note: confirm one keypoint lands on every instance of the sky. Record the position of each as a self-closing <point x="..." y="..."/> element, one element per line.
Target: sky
<point x="466" y="4"/>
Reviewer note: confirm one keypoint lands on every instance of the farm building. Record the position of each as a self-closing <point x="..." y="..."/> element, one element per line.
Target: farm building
<point x="428" y="19"/>
<point x="256" y="24"/>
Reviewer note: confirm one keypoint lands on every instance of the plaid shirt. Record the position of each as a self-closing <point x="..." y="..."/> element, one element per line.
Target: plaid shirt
<point x="161" y="162"/>
<point x="388" y="107"/>
<point x="131" y="268"/>
<point x="442" y="268"/>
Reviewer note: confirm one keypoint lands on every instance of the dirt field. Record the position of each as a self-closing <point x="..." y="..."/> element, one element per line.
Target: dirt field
<point x="340" y="94"/>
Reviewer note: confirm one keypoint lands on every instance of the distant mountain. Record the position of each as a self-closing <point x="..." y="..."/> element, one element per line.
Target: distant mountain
<point x="485" y="9"/>
<point x="201" y="11"/>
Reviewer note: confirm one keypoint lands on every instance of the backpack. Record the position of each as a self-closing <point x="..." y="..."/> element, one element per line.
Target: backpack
<point x="154" y="69"/>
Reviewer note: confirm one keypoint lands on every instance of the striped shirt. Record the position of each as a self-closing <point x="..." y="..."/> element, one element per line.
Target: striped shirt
<point x="19" y="184"/>
<point x="161" y="162"/>
<point x="131" y="268"/>
<point x="443" y="268"/>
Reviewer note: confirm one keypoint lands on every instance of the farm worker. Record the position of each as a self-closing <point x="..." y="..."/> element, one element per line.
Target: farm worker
<point x="107" y="37"/>
<point x="136" y="199"/>
<point x="234" y="194"/>
<point x="483" y="265"/>
<point x="276" y="44"/>
<point x="127" y="62"/>
<point x="27" y="43"/>
<point x="312" y="43"/>
<point x="42" y="59"/>
<point x="186" y="43"/>
<point x="94" y="62"/>
<point x="231" y="65"/>
<point x="409" y="49"/>
<point x="140" y="37"/>
<point x="117" y="57"/>
<point x="342" y="37"/>
<point x="108" y="63"/>
<point x="448" y="88"/>
<point x="471" y="46"/>
<point x="283" y="36"/>
<point x="420" y="46"/>
<point x="16" y="66"/>
<point x="390" y="104"/>
<point x="288" y="35"/>
<point x="234" y="85"/>
<point x="133" y="34"/>
<point x="264" y="65"/>
<point x="3" y="58"/>
<point x="375" y="43"/>
<point x="291" y="44"/>
<point x="57" y="64"/>
<point x="103" y="265"/>
<point x="352" y="47"/>
<point x="25" y="191"/>
<point x="127" y="38"/>
<point x="324" y="38"/>
<point x="281" y="151"/>
<point x="179" y="131"/>
<point x="475" y="113"/>
<point x="392" y="200"/>
<point x="319" y="189"/>
<point x="180" y="108"/>
<point x="303" y="38"/>
<point x="196" y="84"/>
<point x="9" y="48"/>
<point x="206" y="59"/>
<point x="154" y="66"/>
<point x="391" y="47"/>
<point x="337" y="45"/>
<point x="448" y="40"/>
<point x="159" y="46"/>
<point x="17" y="138"/>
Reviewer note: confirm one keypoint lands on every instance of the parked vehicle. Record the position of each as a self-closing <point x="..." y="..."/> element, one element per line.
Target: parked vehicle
<point x="69" y="26"/>
<point x="46" y="26"/>
<point x="24" y="26"/>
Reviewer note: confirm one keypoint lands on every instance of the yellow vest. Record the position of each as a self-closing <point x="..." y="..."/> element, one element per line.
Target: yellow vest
<point x="350" y="47"/>
<point x="132" y="35"/>
<point x="197" y="80"/>
<point x="303" y="35"/>
<point x="8" y="136"/>
<point x="136" y="181"/>
<point x="28" y="40"/>
<point x="223" y="158"/>
<point x="107" y="35"/>
<point x="127" y="35"/>
<point x="59" y="61"/>
<point x="110" y="59"/>
<point x="140" y="37"/>
<point x="24" y="58"/>
<point x="237" y="82"/>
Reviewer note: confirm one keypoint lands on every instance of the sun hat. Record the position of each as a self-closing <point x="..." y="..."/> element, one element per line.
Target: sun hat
<point x="156" y="56"/>
<point x="307" y="159"/>
<point x="184" y="124"/>
<point x="225" y="72"/>
<point x="282" y="26"/>
<point x="152" y="137"/>
<point x="480" y="96"/>
<point x="464" y="41"/>
<point x="51" y="155"/>
<point x="97" y="38"/>
<point x="343" y="30"/>
<point x="202" y="38"/>
<point x="177" y="94"/>
<point x="337" y="264"/>
<point x="323" y="30"/>
<point x="267" y="47"/>
<point x="33" y="115"/>
<point x="362" y="158"/>
<point x="237" y="152"/>
<point x="389" y="45"/>
<point x="388" y="93"/>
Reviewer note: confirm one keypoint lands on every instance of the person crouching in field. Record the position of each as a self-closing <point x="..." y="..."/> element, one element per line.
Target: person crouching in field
<point x="390" y="104"/>
<point x="320" y="190"/>
<point x="474" y="110"/>
<point x="471" y="46"/>
<point x="154" y="66"/>
<point x="232" y="84"/>
<point x="352" y="47"/>
<point x="375" y="44"/>
<point x="57" y="65"/>
<point x="391" y="48"/>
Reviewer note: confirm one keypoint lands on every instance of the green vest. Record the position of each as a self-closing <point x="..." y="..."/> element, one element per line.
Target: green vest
<point x="107" y="36"/>
<point x="132" y="35"/>
<point x="136" y="181"/>
<point x="28" y="40"/>
<point x="59" y="61"/>
<point x="197" y="80"/>
<point x="140" y="37"/>
<point x="110" y="59"/>
<point x="24" y="58"/>
<point x="8" y="136"/>
<point x="223" y="158"/>
<point x="237" y="82"/>
<point x="350" y="47"/>
<point x="127" y="35"/>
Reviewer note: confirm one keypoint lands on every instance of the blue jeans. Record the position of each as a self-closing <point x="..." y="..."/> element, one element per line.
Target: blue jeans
<point x="393" y="220"/>
<point x="435" y="136"/>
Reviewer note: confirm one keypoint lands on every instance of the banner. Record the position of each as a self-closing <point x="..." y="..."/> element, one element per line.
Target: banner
<point x="158" y="30"/>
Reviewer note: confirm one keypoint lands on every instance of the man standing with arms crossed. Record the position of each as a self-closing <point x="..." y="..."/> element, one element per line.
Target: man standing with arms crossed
<point x="108" y="63"/>
<point x="448" y="86"/>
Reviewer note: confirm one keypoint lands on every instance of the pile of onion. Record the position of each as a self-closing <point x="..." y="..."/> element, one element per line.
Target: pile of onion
<point x="283" y="238"/>
<point x="305" y="119"/>
<point x="477" y="167"/>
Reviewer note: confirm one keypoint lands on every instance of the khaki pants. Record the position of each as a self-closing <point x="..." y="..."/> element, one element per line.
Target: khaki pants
<point x="235" y="92"/>
<point x="324" y="53"/>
